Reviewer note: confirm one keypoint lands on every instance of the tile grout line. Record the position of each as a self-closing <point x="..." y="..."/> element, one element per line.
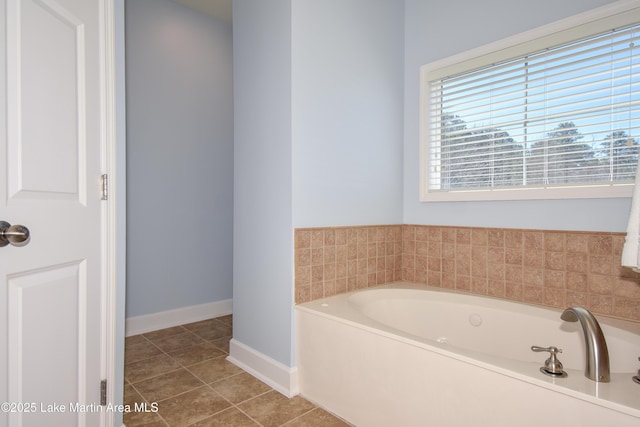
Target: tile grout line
<point x="300" y="416"/>
<point x="182" y="366"/>
<point x="172" y="358"/>
<point x="189" y="391"/>
<point x="233" y="406"/>
<point x="147" y="401"/>
<point x="204" y="383"/>
<point x="249" y="416"/>
<point x="210" y="385"/>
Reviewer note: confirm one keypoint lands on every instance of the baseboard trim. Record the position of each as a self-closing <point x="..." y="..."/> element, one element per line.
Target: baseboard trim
<point x="277" y="375"/>
<point x="179" y="316"/>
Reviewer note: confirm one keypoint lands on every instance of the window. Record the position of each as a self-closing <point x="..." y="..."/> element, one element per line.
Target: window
<point x="557" y="116"/>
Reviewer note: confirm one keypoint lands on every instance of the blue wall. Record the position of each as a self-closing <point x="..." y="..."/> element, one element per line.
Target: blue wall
<point x="438" y="29"/>
<point x="318" y="141"/>
<point x="347" y="112"/>
<point x="263" y="228"/>
<point x="180" y="157"/>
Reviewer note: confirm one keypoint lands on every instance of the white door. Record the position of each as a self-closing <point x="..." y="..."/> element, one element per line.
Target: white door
<point x="51" y="313"/>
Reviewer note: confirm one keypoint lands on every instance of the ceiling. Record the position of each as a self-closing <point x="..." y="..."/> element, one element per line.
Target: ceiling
<point x="220" y="9"/>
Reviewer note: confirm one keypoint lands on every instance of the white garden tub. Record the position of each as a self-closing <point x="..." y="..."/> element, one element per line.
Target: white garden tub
<point x="410" y="355"/>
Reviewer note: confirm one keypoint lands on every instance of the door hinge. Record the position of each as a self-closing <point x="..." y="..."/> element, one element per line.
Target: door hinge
<point x="105" y="187"/>
<point x="103" y="392"/>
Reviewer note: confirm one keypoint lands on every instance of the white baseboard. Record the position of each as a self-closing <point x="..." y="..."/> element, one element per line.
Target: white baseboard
<point x="280" y="377"/>
<point x="179" y="316"/>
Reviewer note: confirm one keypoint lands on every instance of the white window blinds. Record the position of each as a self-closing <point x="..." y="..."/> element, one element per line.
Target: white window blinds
<point x="563" y="116"/>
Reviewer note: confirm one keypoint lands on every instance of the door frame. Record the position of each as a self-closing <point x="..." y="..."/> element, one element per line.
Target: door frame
<point x="112" y="296"/>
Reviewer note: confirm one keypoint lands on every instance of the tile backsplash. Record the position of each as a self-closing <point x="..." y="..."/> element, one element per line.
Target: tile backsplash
<point x="551" y="268"/>
<point x="334" y="260"/>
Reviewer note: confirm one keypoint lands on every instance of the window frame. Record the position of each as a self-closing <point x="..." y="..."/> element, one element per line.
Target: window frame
<point x="616" y="15"/>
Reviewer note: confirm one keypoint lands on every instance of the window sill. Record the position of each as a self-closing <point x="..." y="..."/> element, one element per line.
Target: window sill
<point x="595" y="192"/>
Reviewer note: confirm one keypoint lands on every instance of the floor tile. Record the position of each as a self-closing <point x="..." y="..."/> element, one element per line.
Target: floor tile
<point x="241" y="387"/>
<point x="140" y="351"/>
<point x="177" y="341"/>
<point x="167" y="385"/>
<point x="208" y="323"/>
<point x="231" y="417"/>
<point x="214" y="369"/>
<point x="193" y="406"/>
<point x="213" y="331"/>
<point x="197" y="353"/>
<point x="143" y="419"/>
<point x="228" y="319"/>
<point x="184" y="371"/>
<point x="147" y="368"/>
<point x="317" y="418"/>
<point x="133" y="340"/>
<point x="131" y="395"/>
<point x="135" y="418"/>
<point x="222" y="344"/>
<point x="273" y="409"/>
<point x="163" y="333"/>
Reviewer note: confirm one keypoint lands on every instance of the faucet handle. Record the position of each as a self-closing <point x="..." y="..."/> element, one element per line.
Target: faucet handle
<point x="552" y="366"/>
<point x="553" y="350"/>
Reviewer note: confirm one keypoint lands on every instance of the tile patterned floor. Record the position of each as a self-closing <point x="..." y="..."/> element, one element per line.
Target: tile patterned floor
<point x="184" y="370"/>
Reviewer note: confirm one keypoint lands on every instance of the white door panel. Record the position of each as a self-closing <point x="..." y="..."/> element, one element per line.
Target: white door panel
<point x="46" y="104"/>
<point x="50" y="290"/>
<point x="53" y="294"/>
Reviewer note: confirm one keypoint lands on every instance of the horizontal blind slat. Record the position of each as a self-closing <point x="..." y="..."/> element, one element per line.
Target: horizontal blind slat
<point x="565" y="115"/>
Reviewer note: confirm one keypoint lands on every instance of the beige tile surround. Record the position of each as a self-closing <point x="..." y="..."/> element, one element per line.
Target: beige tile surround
<point x="331" y="261"/>
<point x="550" y="268"/>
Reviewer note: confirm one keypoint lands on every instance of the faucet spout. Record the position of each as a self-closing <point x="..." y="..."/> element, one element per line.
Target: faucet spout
<point x="597" y="368"/>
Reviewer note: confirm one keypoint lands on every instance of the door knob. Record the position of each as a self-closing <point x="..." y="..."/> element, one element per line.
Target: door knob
<point x="17" y="235"/>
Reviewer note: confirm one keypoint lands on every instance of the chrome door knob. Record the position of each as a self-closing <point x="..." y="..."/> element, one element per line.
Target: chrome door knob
<point x="17" y="235"/>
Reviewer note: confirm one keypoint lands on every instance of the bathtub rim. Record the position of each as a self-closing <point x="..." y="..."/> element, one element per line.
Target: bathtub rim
<point x="614" y="395"/>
